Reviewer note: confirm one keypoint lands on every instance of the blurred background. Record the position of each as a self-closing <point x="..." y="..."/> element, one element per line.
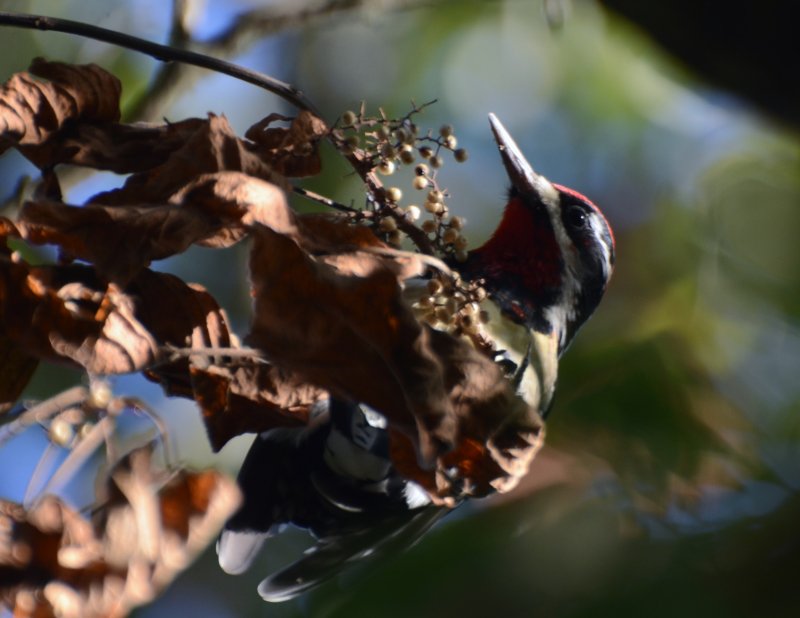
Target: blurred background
<point x="670" y="483"/>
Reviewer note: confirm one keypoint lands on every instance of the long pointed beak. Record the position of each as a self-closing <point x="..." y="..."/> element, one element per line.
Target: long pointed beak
<point x="522" y="176"/>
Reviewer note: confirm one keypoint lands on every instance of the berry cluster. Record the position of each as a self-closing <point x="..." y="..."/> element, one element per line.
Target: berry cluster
<point x="382" y="145"/>
<point x="451" y="304"/>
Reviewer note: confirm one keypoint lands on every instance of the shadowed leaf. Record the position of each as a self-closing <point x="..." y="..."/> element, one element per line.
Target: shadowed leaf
<point x="33" y="111"/>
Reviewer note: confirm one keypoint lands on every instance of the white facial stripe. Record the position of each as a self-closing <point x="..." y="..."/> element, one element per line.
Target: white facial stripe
<point x="597" y="224"/>
<point x="563" y="311"/>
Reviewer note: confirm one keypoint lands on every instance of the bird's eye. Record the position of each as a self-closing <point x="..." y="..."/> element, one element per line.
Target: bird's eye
<point x="576" y="218"/>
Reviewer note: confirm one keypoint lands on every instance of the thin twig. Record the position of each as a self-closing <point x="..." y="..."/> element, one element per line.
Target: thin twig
<point x="43" y="411"/>
<point x="171" y="54"/>
<point x="428" y="260"/>
<point x="321" y="199"/>
<point x="173" y="353"/>
<point x="165" y="53"/>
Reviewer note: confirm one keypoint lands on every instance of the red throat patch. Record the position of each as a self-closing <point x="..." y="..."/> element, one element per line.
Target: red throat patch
<point x="524" y="247"/>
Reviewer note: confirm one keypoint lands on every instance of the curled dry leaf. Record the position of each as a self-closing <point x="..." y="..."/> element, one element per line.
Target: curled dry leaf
<point x="353" y="335"/>
<point x="213" y="147"/>
<point x="16" y="365"/>
<point x="239" y="201"/>
<point x="33" y="111"/>
<point x="292" y="151"/>
<point x="499" y="433"/>
<point x="120" y="242"/>
<point x="212" y="210"/>
<point x="65" y="314"/>
<point x="57" y="314"/>
<point x="53" y="561"/>
<point x="121" y="148"/>
<point x="251" y="399"/>
<point x="194" y="319"/>
<point x="16" y="370"/>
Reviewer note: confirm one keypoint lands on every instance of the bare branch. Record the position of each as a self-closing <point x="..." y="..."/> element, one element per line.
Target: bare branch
<point x="165" y="53"/>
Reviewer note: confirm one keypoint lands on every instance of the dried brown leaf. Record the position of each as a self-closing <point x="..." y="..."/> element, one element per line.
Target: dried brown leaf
<point x="53" y="561"/>
<point x="57" y="314"/>
<point x="240" y="201"/>
<point x="194" y="318"/>
<point x="213" y="210"/>
<point x="121" y="148"/>
<point x="120" y="242"/>
<point x="499" y="434"/>
<point x="33" y="111"/>
<point x="353" y="335"/>
<point x="16" y="370"/>
<point x="213" y="147"/>
<point x="64" y="314"/>
<point x="250" y="399"/>
<point x="292" y="151"/>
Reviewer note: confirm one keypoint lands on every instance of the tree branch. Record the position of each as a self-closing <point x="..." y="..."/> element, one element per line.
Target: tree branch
<point x="165" y="53"/>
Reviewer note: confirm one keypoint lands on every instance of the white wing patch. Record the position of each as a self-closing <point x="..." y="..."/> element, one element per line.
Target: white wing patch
<point x="236" y="550"/>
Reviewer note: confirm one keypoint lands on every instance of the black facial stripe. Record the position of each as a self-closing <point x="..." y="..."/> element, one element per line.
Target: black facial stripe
<point x="585" y="237"/>
<point x="594" y="246"/>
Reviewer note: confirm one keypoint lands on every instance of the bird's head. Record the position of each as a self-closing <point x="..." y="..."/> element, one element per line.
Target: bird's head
<point x="549" y="261"/>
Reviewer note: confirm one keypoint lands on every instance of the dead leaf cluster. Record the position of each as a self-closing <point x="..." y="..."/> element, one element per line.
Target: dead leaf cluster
<point x="329" y="314"/>
<point x="54" y="561"/>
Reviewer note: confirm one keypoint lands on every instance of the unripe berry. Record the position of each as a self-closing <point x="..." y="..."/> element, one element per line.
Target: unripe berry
<point x="434" y="286"/>
<point x="393" y="194"/>
<point x="443" y="315"/>
<point x="426" y="152"/>
<point x="387" y="168"/>
<point x="349" y="118"/>
<point x="451" y="142"/>
<point x="61" y="432"/>
<point x="434" y="207"/>
<point x="85" y="430"/>
<point x="407" y="154"/>
<point x="461" y="243"/>
<point x="429" y="226"/>
<point x="430" y="318"/>
<point x="472" y="309"/>
<point x="100" y="394"/>
<point x="401" y="135"/>
<point x="436" y="162"/>
<point x="421" y="170"/>
<point x="420" y="183"/>
<point x="456" y="223"/>
<point x="388" y="224"/>
<point x="382" y="132"/>
<point x="446" y="130"/>
<point x="449" y="236"/>
<point x="435" y="196"/>
<point x="461" y="155"/>
<point x="413" y="212"/>
<point x="467" y="322"/>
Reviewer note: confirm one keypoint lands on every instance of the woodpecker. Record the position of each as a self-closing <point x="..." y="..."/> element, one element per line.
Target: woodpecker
<point x="545" y="269"/>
